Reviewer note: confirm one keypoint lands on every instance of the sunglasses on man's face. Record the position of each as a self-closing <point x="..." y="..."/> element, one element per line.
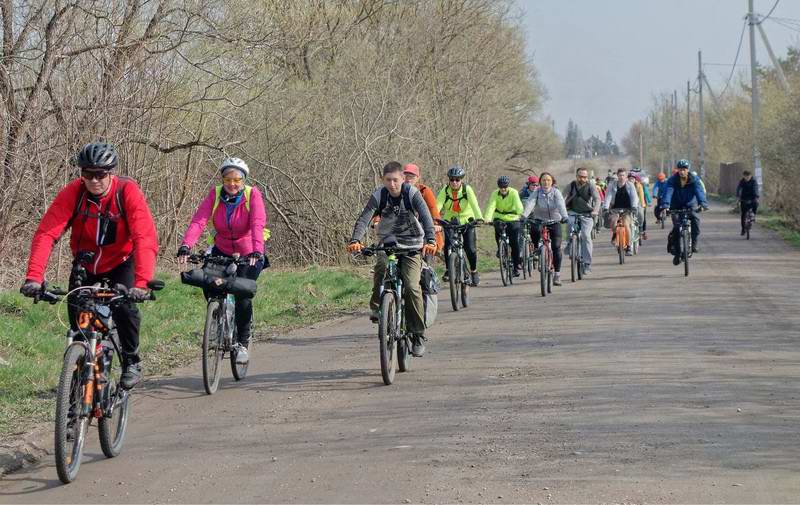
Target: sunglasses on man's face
<point x="94" y="175"/>
<point x="455" y="179"/>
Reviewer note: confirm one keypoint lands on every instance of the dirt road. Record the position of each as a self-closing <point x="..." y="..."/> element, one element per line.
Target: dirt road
<point x="635" y="385"/>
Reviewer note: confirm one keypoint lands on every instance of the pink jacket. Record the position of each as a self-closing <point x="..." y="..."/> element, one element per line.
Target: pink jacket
<point x="245" y="232"/>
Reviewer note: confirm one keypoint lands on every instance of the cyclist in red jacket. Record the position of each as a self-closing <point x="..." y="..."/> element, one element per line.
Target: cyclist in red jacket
<point x="109" y="217"/>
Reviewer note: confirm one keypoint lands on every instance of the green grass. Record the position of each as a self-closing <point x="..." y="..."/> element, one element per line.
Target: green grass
<point x="32" y="340"/>
<point x="781" y="225"/>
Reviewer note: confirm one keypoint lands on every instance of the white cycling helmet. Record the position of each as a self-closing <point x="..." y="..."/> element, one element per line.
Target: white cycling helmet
<point x="236" y="163"/>
<point x="645" y="180"/>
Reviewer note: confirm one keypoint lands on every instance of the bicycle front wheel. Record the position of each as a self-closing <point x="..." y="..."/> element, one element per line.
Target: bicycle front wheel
<point x="112" y="426"/>
<point x="502" y="250"/>
<point x="543" y="270"/>
<point x="685" y="239"/>
<point x="465" y="284"/>
<point x="212" y="347"/>
<point x="573" y="260"/>
<point x="387" y="328"/>
<point x="525" y="259"/>
<point x="70" y="427"/>
<point x="454" y="270"/>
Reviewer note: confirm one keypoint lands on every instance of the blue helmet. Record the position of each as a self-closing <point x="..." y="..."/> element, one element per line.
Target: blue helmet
<point x="683" y="164"/>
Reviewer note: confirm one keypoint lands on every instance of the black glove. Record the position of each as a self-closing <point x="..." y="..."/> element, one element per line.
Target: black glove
<point x="564" y="220"/>
<point x="183" y="251"/>
<point x="30" y="288"/>
<point x="138" y="294"/>
<point x="255" y="254"/>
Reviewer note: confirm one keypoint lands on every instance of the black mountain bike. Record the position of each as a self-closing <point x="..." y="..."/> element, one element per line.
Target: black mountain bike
<point x="220" y="336"/>
<point x="89" y="385"/>
<point x="684" y="239"/>
<point x="460" y="278"/>
<point x="394" y="342"/>
<point x="504" y="252"/>
<point x="545" y="254"/>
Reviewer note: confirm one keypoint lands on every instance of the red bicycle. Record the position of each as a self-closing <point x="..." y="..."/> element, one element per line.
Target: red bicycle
<point x="545" y="253"/>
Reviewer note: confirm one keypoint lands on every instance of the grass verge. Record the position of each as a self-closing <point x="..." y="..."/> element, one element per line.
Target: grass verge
<point x="32" y="339"/>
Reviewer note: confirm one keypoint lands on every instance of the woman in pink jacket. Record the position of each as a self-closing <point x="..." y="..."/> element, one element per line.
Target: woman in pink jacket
<point x="238" y="222"/>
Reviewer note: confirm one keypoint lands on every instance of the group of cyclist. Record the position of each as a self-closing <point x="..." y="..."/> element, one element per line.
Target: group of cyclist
<point x="108" y="217"/>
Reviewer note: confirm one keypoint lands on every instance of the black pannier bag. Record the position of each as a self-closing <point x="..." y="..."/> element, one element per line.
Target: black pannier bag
<point x="214" y="279"/>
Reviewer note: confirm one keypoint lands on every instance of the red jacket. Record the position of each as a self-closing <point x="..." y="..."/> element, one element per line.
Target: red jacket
<point x="136" y="234"/>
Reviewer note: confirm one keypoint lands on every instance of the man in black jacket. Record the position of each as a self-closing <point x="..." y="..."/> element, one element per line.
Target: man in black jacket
<point x="747" y="194"/>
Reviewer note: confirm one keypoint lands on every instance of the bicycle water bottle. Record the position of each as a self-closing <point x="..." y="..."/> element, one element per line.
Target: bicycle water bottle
<point x="230" y="307"/>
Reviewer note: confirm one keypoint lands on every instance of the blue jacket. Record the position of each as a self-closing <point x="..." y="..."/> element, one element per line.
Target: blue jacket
<point x="659" y="188"/>
<point x="686" y="197"/>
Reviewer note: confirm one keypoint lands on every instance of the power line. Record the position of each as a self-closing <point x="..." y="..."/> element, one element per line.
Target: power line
<point x="736" y="59"/>
<point x="771" y="10"/>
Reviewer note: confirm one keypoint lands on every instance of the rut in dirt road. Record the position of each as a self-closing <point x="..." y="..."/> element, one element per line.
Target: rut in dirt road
<point x="636" y="384"/>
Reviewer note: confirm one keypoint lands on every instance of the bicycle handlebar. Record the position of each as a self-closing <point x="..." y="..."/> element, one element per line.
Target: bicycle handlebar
<point x="375" y="248"/>
<point x="217" y="260"/>
<point x="457" y="227"/>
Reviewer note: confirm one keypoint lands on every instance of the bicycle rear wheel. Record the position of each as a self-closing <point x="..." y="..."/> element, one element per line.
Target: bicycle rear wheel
<point x="502" y="249"/>
<point x="403" y="354"/>
<point x="387" y="326"/>
<point x="464" y="284"/>
<point x="212" y="347"/>
<point x="454" y="270"/>
<point x="70" y="427"/>
<point x="112" y="427"/>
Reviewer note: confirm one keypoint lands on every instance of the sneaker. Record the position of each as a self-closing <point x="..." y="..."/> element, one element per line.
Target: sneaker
<point x="694" y="248"/>
<point x="375" y="315"/>
<point x="242" y="357"/>
<point x="742" y="234"/>
<point x="476" y="278"/>
<point x="676" y="260"/>
<point x="628" y="251"/>
<point x="131" y="376"/>
<point x="517" y="272"/>
<point x="644" y="235"/>
<point x="446" y="276"/>
<point x="418" y="345"/>
<point x="587" y="269"/>
<point x="556" y="279"/>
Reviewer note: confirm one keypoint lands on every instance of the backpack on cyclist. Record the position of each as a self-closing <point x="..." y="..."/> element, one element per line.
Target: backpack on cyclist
<point x="447" y="194"/>
<point x="248" y="190"/>
<point x="405" y="193"/>
<point x="104" y="223"/>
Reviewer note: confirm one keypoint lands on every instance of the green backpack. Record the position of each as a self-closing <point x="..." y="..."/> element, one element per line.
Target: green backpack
<point x="217" y="195"/>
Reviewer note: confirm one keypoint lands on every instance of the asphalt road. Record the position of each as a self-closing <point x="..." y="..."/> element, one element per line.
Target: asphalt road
<point x="635" y="385"/>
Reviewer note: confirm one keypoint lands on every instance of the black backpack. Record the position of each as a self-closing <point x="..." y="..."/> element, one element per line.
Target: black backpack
<point x="405" y="192"/>
<point x="463" y="196"/>
<point x="123" y="181"/>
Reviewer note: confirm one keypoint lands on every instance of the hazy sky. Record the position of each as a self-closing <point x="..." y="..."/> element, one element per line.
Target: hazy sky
<point x="602" y="60"/>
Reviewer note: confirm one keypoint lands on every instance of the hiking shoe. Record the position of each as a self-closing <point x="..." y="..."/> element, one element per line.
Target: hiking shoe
<point x="628" y="251"/>
<point x="644" y="235"/>
<point x="694" y="248"/>
<point x="517" y="272"/>
<point x="742" y="234"/>
<point x="587" y="269"/>
<point x="476" y="278"/>
<point x="556" y="279"/>
<point x="418" y="345"/>
<point x="131" y="376"/>
<point x="676" y="260"/>
<point x="375" y="315"/>
<point x="242" y="356"/>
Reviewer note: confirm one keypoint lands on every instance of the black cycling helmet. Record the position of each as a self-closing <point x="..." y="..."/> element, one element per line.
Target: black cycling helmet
<point x="97" y="155"/>
<point x="683" y="164"/>
<point x="456" y="171"/>
<point x="503" y="181"/>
